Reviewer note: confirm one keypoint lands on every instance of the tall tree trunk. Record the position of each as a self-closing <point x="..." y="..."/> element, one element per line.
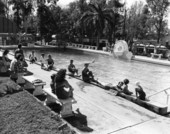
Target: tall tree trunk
<point x="25" y="24"/>
<point x="158" y="38"/>
<point x="97" y="40"/>
<point x="159" y="31"/>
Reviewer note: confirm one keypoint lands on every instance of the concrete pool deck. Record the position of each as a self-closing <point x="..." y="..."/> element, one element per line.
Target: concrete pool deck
<point x="106" y="113"/>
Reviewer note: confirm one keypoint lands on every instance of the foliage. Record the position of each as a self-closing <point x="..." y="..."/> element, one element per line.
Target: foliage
<point x="22" y="9"/>
<point x="3" y="8"/>
<point x="158" y="12"/>
<point x="46" y="22"/>
<point x="96" y="17"/>
<point x="116" y="25"/>
<point x="137" y="19"/>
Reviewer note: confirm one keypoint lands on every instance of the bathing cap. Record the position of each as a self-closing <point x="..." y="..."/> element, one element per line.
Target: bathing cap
<point x="137" y="83"/>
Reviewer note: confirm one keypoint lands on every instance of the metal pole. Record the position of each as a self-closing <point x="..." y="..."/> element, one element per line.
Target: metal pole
<point x="160" y="92"/>
<point x="167" y="99"/>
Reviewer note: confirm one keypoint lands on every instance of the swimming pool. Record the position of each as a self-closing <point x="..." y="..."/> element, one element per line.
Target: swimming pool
<point x="152" y="77"/>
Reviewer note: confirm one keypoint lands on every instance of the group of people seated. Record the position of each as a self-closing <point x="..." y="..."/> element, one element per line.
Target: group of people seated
<point x="46" y="64"/>
<point x="64" y="90"/>
<point x="87" y="75"/>
<point x="16" y="66"/>
<point x="59" y="84"/>
<point x="122" y="87"/>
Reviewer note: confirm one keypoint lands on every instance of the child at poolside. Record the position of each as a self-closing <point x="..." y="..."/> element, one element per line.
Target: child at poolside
<point x="50" y="63"/>
<point x="32" y="58"/>
<point x="118" y="87"/>
<point x="52" y="84"/>
<point x="5" y="59"/>
<point x="140" y="94"/>
<point x="125" y="88"/>
<point x="42" y="60"/>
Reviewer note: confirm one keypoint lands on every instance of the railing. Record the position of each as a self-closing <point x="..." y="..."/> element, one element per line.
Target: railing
<point x="82" y="46"/>
<point x="166" y="92"/>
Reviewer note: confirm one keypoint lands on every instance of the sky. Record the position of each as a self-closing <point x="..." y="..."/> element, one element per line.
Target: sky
<point x="64" y="3"/>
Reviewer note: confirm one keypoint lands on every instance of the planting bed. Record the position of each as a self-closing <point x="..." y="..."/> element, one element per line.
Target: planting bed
<point x="21" y="113"/>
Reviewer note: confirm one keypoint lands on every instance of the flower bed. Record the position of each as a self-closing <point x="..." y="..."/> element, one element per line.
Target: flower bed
<point x="22" y="113"/>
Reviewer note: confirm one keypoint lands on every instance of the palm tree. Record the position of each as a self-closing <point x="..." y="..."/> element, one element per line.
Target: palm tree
<point x="46" y="24"/>
<point x="117" y="21"/>
<point x="97" y="16"/>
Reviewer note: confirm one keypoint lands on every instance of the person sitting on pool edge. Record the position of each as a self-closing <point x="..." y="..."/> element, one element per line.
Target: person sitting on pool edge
<point x="87" y="75"/>
<point x="50" y="63"/>
<point x="125" y="88"/>
<point x="140" y="94"/>
<point x="16" y="67"/>
<point x="52" y="84"/>
<point x="42" y="60"/>
<point x="60" y="85"/>
<point x="72" y="69"/>
<point x="32" y="58"/>
<point x="5" y="59"/>
<point x="118" y="87"/>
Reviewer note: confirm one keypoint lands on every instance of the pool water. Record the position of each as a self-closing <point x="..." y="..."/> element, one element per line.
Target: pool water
<point x="152" y="77"/>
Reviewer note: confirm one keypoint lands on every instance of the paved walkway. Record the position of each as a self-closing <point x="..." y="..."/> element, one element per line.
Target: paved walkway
<point x="109" y="114"/>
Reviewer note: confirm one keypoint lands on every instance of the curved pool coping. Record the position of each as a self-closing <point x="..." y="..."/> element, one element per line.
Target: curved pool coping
<point x="135" y="58"/>
<point x="152" y="61"/>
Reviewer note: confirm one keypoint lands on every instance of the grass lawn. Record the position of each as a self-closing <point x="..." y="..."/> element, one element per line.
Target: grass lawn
<point x="22" y="113"/>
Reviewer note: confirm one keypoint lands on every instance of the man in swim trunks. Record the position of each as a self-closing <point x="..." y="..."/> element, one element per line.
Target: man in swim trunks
<point x="50" y="62"/>
<point x="72" y="69"/>
<point x="87" y="75"/>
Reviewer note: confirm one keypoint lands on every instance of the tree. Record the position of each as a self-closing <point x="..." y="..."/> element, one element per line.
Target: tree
<point x="116" y="23"/>
<point x="46" y="23"/>
<point x="22" y="11"/>
<point x="3" y="8"/>
<point x="137" y="19"/>
<point x="96" y="16"/>
<point x="158" y="13"/>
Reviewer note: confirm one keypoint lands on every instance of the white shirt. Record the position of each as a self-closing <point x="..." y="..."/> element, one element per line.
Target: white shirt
<point x="42" y="60"/>
<point x="12" y="64"/>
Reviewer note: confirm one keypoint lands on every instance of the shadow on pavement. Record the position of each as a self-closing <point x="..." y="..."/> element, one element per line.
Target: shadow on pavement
<point x="79" y="121"/>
